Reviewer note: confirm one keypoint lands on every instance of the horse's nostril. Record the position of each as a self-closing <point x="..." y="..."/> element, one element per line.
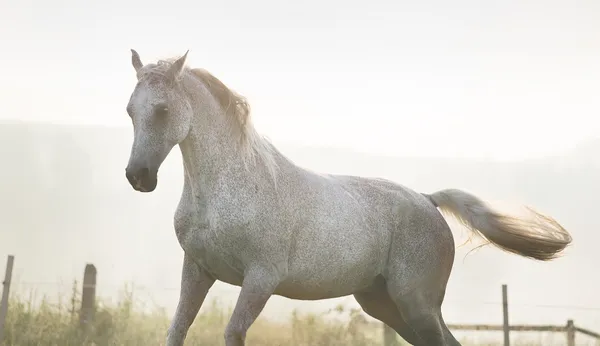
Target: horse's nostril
<point x="129" y="175"/>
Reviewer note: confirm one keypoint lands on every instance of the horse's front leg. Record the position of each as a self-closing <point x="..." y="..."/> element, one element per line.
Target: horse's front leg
<point x="195" y="283"/>
<point x="258" y="285"/>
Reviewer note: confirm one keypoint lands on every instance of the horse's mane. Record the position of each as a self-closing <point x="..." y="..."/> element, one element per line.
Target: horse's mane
<point x="237" y="111"/>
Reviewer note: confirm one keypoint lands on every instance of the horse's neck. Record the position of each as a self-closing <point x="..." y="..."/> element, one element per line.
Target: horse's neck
<point x="211" y="159"/>
<point x="211" y="154"/>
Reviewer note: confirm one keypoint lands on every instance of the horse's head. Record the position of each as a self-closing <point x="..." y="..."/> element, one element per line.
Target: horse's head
<point x="161" y="117"/>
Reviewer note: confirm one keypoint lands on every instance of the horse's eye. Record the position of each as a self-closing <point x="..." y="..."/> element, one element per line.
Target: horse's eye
<point x="161" y="110"/>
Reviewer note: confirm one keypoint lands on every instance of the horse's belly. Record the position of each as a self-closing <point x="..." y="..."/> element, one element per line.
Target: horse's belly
<point x="333" y="270"/>
<point x="321" y="290"/>
<point x="327" y="283"/>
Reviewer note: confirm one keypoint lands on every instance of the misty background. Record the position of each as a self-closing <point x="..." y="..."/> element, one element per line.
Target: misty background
<point x="497" y="98"/>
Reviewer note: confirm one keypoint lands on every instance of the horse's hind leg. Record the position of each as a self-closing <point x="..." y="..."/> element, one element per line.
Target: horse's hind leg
<point x="418" y="268"/>
<point x="426" y="320"/>
<point x="378" y="304"/>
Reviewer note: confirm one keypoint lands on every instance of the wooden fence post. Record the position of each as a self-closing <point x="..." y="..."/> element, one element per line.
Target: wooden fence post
<point x="88" y="297"/>
<point x="5" y="294"/>
<point x="505" y="325"/>
<point x="570" y="333"/>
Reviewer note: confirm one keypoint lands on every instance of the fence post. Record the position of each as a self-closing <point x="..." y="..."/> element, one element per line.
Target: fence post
<point x="5" y="294"/>
<point x="505" y="325"/>
<point x="389" y="336"/>
<point x="88" y="297"/>
<point x="570" y="333"/>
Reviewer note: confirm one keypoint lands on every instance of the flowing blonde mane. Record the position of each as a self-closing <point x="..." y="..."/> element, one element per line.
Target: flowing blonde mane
<point x="237" y="110"/>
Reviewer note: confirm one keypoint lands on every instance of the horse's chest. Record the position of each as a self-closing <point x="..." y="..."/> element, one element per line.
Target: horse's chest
<point x="204" y="246"/>
<point x="211" y="240"/>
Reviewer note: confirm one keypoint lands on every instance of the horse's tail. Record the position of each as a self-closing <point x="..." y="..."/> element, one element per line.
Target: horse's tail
<point x="539" y="237"/>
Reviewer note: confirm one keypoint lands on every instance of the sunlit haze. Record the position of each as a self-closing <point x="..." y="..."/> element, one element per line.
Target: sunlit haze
<point x="504" y="80"/>
<point x="500" y="98"/>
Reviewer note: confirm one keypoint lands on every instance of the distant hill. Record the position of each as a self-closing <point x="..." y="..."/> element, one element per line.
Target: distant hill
<point x="65" y="201"/>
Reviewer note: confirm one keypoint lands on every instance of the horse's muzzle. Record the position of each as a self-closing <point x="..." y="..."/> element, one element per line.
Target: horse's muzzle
<point x="141" y="179"/>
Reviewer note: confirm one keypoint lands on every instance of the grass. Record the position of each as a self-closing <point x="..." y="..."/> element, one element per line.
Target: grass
<point x="124" y="323"/>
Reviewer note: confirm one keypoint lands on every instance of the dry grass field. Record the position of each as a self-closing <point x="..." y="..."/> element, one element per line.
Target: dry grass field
<point x="125" y="323"/>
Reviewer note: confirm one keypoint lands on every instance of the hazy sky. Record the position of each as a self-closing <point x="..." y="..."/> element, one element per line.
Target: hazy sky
<point x="497" y="79"/>
<point x="504" y="79"/>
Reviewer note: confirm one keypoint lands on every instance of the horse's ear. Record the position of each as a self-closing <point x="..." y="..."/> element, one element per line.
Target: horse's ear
<point x="136" y="61"/>
<point x="177" y="67"/>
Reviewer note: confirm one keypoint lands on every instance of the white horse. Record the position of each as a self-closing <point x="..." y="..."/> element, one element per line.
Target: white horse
<point x="250" y="217"/>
